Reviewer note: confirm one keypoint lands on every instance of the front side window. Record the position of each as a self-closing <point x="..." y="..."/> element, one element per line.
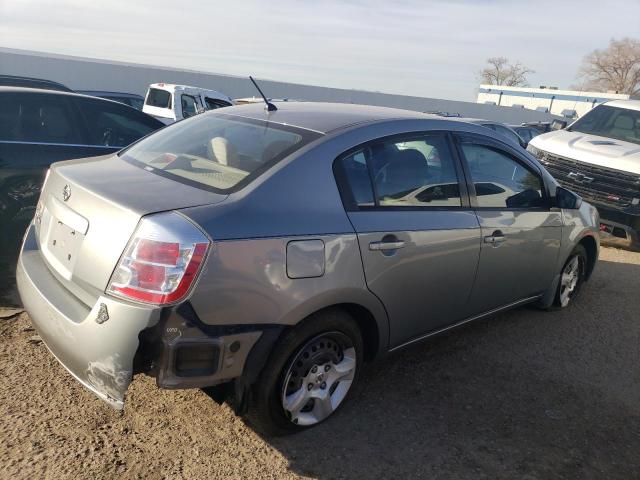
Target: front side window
<point x="500" y="181"/>
<point x="610" y="122"/>
<point x="158" y="98"/>
<point x="416" y="172"/>
<point x="218" y="152"/>
<point x="37" y="118"/>
<point x="112" y="125"/>
<point x="189" y="106"/>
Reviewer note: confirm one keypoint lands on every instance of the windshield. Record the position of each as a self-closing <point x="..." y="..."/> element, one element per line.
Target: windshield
<point x="610" y="122"/>
<point x="218" y="152"/>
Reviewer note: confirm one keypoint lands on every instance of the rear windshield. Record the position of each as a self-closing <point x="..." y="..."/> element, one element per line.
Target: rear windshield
<point x="159" y="98"/>
<point x="610" y="122"/>
<point x="215" y="151"/>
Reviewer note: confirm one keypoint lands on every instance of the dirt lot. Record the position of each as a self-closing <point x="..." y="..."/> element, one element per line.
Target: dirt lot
<point x="526" y="395"/>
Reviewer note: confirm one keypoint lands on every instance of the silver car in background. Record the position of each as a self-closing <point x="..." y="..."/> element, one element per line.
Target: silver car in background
<point x="275" y="252"/>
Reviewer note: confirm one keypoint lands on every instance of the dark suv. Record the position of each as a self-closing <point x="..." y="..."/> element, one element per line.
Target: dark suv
<point x="39" y="127"/>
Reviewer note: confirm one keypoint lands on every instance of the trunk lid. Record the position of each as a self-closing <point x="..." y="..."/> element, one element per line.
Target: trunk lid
<point x="90" y="209"/>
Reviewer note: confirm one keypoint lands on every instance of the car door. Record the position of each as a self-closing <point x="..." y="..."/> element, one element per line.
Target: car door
<point x="418" y="237"/>
<point x="36" y="129"/>
<point x="521" y="234"/>
<point x="112" y="126"/>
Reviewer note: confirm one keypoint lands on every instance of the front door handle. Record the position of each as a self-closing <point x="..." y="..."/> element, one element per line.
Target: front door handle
<point x="377" y="246"/>
<point x="496" y="238"/>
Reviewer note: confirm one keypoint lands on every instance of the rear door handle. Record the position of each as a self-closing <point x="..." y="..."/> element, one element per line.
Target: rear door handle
<point x="376" y="246"/>
<point x="496" y="238"/>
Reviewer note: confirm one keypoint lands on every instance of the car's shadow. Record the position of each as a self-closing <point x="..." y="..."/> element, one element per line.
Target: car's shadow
<point x="527" y="394"/>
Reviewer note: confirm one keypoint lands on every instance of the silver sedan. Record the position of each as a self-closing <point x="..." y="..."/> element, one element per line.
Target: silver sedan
<point x="273" y="253"/>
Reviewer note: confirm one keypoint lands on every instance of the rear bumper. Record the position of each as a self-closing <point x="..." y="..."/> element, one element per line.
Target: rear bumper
<point x="103" y="345"/>
<point x="97" y="349"/>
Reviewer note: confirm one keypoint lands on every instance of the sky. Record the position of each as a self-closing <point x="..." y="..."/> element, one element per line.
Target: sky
<point x="425" y="48"/>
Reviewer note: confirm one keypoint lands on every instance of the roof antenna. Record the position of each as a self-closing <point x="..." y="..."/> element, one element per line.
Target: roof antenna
<point x="270" y="107"/>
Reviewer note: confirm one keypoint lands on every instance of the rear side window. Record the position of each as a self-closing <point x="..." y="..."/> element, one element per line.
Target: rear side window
<point x="37" y="118"/>
<point x="112" y="125"/>
<point x="158" y="98"/>
<point x="216" y="151"/>
<point x="500" y="181"/>
<point x="413" y="172"/>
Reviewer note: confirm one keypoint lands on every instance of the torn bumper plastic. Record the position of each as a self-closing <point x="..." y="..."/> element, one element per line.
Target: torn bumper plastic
<point x="95" y="344"/>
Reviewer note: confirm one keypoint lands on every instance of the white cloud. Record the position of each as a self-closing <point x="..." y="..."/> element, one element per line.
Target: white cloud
<point x="427" y="48"/>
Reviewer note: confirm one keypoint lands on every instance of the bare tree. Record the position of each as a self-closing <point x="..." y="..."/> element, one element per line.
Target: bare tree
<point x="500" y="72"/>
<point x="616" y="68"/>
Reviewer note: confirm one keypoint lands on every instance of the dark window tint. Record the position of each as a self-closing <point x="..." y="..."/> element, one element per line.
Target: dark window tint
<point x="189" y="106"/>
<point x="130" y="101"/>
<point x="37" y="118"/>
<point x="159" y="98"/>
<point x="213" y="103"/>
<point x="500" y="181"/>
<point x="112" y="125"/>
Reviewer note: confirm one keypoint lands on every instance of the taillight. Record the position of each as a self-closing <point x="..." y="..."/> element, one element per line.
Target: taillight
<point x="161" y="262"/>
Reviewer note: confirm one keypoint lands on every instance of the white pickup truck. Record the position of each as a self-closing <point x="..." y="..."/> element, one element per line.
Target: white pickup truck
<point x="598" y="157"/>
<point x="169" y="103"/>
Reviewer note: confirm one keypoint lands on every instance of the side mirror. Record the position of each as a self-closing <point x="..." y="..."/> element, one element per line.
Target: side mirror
<point x="567" y="199"/>
<point x="558" y="125"/>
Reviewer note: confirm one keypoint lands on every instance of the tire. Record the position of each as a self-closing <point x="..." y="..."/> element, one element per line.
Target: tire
<point x="572" y="277"/>
<point x="313" y="368"/>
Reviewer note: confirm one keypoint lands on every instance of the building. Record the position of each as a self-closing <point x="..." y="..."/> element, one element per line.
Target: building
<point x="566" y="103"/>
<point x="96" y="74"/>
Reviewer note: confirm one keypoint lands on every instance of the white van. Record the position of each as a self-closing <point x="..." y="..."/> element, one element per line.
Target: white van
<point x="170" y="103"/>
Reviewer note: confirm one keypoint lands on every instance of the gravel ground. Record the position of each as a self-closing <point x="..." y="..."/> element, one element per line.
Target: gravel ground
<point x="528" y="395"/>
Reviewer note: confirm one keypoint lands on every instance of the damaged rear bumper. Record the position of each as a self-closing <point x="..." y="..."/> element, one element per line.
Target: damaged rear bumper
<point x="97" y="345"/>
<point x="104" y="345"/>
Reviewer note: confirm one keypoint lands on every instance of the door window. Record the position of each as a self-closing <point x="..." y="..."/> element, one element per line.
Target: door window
<point x="416" y="172"/>
<point x="500" y="181"/>
<point x="37" y="118"/>
<point x="112" y="125"/>
<point x="189" y="106"/>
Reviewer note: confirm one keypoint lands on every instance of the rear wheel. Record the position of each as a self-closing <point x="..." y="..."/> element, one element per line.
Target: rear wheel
<point x="571" y="277"/>
<point x="309" y="374"/>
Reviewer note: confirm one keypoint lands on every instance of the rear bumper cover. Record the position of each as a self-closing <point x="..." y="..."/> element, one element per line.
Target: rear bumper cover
<point x="96" y="345"/>
<point x="104" y="345"/>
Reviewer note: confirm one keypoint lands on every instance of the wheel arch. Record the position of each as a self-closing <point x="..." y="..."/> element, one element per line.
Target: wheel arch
<point x="591" y="246"/>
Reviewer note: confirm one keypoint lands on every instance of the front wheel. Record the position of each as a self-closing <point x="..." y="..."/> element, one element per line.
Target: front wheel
<point x="571" y="277"/>
<point x="309" y="374"/>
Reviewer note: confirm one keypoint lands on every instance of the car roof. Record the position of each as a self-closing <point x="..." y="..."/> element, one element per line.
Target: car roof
<point x="323" y="117"/>
<point x="103" y="92"/>
<point x="42" y="91"/>
<point x="32" y="82"/>
<point x="628" y="104"/>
